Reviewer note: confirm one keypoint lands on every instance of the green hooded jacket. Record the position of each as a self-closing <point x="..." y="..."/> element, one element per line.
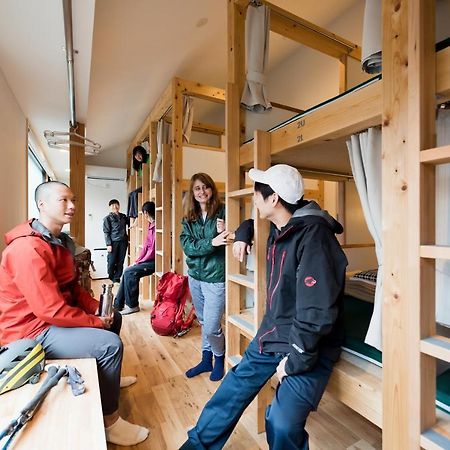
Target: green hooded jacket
<point x="205" y="262"/>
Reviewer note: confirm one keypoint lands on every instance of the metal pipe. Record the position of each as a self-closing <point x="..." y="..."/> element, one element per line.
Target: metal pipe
<point x="67" y="9"/>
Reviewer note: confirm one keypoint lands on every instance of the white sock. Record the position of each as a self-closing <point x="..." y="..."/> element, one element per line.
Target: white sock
<point x="122" y="432"/>
<point x="127" y="381"/>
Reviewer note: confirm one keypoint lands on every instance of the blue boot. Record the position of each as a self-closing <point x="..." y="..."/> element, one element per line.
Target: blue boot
<point x="205" y="365"/>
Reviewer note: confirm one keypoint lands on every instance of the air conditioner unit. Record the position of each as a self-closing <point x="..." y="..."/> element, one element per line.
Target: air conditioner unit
<point x="105" y="173"/>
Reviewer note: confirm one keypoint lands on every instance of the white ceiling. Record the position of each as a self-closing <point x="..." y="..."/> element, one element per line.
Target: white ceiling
<point x="127" y="53"/>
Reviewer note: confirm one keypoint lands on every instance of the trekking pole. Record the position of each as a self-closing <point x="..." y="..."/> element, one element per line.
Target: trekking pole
<point x="55" y="373"/>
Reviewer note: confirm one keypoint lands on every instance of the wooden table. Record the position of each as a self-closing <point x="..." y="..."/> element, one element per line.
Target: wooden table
<point x="62" y="422"/>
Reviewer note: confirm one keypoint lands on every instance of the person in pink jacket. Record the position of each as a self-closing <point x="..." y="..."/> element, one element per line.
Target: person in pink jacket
<point x="127" y="300"/>
<point x="40" y="299"/>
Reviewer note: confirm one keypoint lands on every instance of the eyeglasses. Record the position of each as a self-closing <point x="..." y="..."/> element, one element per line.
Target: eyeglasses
<point x="201" y="188"/>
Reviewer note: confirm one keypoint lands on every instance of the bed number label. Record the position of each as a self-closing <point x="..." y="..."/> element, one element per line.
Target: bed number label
<point x="300" y="138"/>
<point x="300" y="123"/>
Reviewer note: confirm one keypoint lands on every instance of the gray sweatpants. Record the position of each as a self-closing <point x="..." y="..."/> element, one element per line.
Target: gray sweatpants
<point x="103" y="345"/>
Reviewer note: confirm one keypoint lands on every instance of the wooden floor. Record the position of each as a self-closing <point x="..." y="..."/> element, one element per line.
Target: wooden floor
<point x="168" y="403"/>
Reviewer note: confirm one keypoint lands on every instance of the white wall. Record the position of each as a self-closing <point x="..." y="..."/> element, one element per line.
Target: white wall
<point x="13" y="154"/>
<point x="208" y="161"/>
<point x="110" y="183"/>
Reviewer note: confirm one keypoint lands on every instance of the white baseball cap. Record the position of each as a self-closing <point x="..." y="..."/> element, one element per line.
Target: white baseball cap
<point x="285" y="180"/>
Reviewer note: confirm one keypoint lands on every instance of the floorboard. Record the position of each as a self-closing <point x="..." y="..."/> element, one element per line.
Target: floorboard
<point x="168" y="403"/>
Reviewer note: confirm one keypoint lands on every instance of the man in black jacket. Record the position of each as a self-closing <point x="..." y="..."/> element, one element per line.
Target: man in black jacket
<point x="301" y="332"/>
<point x="116" y="239"/>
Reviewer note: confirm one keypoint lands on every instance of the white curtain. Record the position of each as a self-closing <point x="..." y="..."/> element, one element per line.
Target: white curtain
<point x="365" y="159"/>
<point x="443" y="222"/>
<point x="254" y="98"/>
<point x="162" y="137"/>
<point x="371" y="41"/>
<point x="188" y="117"/>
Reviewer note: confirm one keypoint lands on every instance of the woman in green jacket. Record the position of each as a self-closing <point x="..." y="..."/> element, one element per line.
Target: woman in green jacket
<point x="203" y="238"/>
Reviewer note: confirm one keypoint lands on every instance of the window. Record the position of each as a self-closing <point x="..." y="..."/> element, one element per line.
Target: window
<point x="36" y="176"/>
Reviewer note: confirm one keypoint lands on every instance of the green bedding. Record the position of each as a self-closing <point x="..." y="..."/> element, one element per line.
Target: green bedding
<point x="357" y="314"/>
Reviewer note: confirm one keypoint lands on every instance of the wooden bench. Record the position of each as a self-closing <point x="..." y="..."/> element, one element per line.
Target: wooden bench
<point x="63" y="421"/>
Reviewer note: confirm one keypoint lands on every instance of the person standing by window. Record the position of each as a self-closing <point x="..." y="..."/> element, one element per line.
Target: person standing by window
<point x="203" y="238"/>
<point x="116" y="239"/>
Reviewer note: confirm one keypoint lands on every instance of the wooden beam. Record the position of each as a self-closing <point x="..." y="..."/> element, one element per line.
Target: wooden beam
<point x="77" y="184"/>
<point x="204" y="147"/>
<point x="311" y="35"/>
<point x="286" y="107"/>
<point x="177" y="174"/>
<point x="203" y="91"/>
<point x="201" y="127"/>
<point x="343" y="73"/>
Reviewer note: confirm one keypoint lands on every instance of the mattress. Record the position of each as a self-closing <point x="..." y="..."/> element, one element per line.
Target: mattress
<point x="357" y="314"/>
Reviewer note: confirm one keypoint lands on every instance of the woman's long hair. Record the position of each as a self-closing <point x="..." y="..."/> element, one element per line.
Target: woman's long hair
<point x="192" y="209"/>
<point x="138" y="164"/>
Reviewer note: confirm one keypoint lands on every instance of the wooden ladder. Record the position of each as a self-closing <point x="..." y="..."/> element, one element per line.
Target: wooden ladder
<point x="242" y="322"/>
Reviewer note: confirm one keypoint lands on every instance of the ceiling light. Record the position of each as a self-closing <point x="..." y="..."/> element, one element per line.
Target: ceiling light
<point x="62" y="141"/>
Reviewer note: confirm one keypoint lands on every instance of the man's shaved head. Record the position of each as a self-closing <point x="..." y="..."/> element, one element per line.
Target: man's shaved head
<point x="44" y="189"/>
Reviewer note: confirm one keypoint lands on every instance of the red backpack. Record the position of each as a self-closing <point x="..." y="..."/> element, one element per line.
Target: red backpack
<point x="168" y="316"/>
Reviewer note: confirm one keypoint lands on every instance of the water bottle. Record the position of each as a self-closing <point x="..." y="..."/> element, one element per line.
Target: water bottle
<point x="106" y="301"/>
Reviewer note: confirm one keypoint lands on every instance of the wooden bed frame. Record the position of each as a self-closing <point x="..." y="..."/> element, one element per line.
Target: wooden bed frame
<point x="167" y="195"/>
<point x="403" y="405"/>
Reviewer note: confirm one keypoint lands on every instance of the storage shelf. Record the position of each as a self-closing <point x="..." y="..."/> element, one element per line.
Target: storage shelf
<point x="435" y="156"/>
<point x="439" y="435"/>
<point x="244" y="322"/>
<point x="243" y="280"/>
<point x="435" y="251"/>
<point x="436" y="346"/>
<point x="246" y="192"/>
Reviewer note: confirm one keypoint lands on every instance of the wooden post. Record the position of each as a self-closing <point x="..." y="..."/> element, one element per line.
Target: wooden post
<point x="343" y="73"/>
<point x="77" y="184"/>
<point x="234" y="131"/>
<point x="408" y="127"/>
<point x="262" y="159"/>
<point x="177" y="175"/>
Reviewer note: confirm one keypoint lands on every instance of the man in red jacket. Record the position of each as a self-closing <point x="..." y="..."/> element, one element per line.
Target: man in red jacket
<point x="40" y="298"/>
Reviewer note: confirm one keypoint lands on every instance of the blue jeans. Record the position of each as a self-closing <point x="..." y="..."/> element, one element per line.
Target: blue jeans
<point x="129" y="287"/>
<point x="209" y="303"/>
<point x="294" y="399"/>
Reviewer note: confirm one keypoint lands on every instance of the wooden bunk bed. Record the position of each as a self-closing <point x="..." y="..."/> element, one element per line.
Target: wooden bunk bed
<point x="167" y="194"/>
<point x="315" y="142"/>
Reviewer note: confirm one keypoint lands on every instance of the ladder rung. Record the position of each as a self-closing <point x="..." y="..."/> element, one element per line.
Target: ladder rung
<point x="241" y="193"/>
<point x="159" y="208"/>
<point x="234" y="360"/>
<point x="242" y="322"/>
<point x="243" y="280"/>
<point x="435" y="251"/>
<point x="436" y="346"/>
<point x="159" y="252"/>
<point x="159" y="230"/>
<point x="159" y="274"/>
<point x="438" y="155"/>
